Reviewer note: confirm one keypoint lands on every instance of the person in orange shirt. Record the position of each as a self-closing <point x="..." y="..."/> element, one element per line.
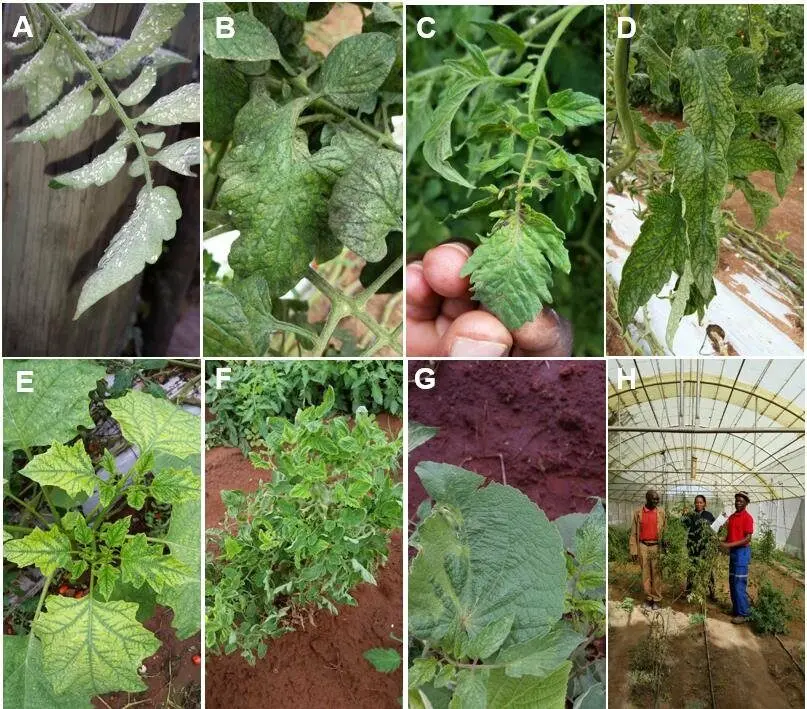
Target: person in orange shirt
<point x="739" y="529"/>
<point x="647" y="531"/>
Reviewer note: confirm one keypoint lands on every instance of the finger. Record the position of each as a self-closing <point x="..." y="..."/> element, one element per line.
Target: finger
<point x="476" y="334"/>
<point x="454" y="307"/>
<point x="548" y="335"/>
<point x="422" y="339"/>
<point x="422" y="303"/>
<point x="442" y="266"/>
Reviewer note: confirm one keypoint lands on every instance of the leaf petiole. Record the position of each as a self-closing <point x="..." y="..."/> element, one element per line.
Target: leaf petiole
<point x="82" y="58"/>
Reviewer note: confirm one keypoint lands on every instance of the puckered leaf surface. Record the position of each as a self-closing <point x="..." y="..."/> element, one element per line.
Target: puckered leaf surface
<point x="357" y="67"/>
<point x="183" y="596"/>
<point x="48" y="550"/>
<point x="140" y="241"/>
<point x="107" y="645"/>
<point x="661" y="248"/>
<point x="98" y="172"/>
<point x="66" y="467"/>
<point x="225" y="92"/>
<point x="277" y="192"/>
<point x="156" y="425"/>
<point x="486" y="553"/>
<point x="366" y="203"/>
<point x="153" y="27"/>
<point x="57" y="406"/>
<point x="24" y="683"/>
<point x="252" y="41"/>
<point x="511" y="271"/>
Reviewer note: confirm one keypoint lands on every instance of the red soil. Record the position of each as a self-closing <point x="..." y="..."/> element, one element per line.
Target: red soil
<point x="545" y="418"/>
<point x="322" y="665"/>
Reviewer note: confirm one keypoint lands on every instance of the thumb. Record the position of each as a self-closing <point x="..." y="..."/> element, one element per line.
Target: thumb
<point x="476" y="334"/>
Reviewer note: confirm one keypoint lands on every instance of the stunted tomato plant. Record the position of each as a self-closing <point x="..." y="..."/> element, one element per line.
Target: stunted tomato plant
<point x="503" y="603"/>
<point x="99" y="577"/>
<point x="66" y="50"/>
<point x="512" y="149"/>
<point x="728" y="116"/>
<point x="308" y="536"/>
<point x="301" y="161"/>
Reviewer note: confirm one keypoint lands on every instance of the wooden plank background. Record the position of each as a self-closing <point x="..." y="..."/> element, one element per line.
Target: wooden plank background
<point x="53" y="239"/>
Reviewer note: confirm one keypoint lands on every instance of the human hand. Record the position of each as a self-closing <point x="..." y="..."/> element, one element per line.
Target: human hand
<point x="443" y="321"/>
<point x="634" y="557"/>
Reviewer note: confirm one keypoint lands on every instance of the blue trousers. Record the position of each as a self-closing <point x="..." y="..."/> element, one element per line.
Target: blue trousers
<point x="739" y="560"/>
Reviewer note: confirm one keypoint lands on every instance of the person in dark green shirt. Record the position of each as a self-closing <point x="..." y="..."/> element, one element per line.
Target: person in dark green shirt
<point x="697" y="523"/>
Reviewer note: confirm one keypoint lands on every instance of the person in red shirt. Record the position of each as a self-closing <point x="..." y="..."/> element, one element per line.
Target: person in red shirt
<point x="647" y="531"/>
<point x="739" y="529"/>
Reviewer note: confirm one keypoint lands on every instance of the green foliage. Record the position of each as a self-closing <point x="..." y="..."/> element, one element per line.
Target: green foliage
<point x="618" y="546"/>
<point x="783" y="44"/>
<point x="93" y="644"/>
<point x="486" y="638"/>
<point x="765" y="546"/>
<point x="675" y="561"/>
<point x="57" y="408"/>
<point x="772" y="610"/>
<point x="713" y="55"/>
<point x="305" y="539"/>
<point x="72" y="49"/>
<point x="258" y="391"/>
<point x="305" y="166"/>
<point x="502" y="151"/>
<point x="383" y="659"/>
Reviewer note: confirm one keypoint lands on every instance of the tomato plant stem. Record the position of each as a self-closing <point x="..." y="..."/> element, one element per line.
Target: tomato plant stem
<point x="82" y="58"/>
<point x="325" y="105"/>
<point x="526" y="35"/>
<point x="18" y="530"/>
<point x="42" y="595"/>
<point x="621" y="63"/>
<point x="27" y="507"/>
<point x="343" y="306"/>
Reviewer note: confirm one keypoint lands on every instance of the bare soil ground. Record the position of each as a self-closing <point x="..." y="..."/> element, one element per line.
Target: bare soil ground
<point x="748" y="670"/>
<point x="541" y="422"/>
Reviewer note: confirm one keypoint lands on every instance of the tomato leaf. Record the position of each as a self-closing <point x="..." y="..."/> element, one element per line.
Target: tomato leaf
<point x="366" y="203"/>
<point x="107" y="645"/>
<point x="357" y="67"/>
<point x="511" y="271"/>
<point x="66" y="467"/>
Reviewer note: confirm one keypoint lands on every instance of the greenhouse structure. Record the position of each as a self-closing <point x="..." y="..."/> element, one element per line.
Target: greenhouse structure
<point x="710" y="427"/>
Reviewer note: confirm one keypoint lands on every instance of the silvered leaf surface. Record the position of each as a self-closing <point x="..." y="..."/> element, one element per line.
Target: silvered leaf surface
<point x="138" y="242"/>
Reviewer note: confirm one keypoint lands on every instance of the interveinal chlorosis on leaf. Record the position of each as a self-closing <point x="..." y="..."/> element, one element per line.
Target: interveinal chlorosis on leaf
<point x="71" y="51"/>
<point x="83" y="646"/>
<point x="488" y="590"/>
<point x="714" y="153"/>
<point x="303" y="165"/>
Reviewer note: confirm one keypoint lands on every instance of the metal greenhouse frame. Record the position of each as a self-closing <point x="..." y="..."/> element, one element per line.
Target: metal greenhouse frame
<point x="709" y="426"/>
